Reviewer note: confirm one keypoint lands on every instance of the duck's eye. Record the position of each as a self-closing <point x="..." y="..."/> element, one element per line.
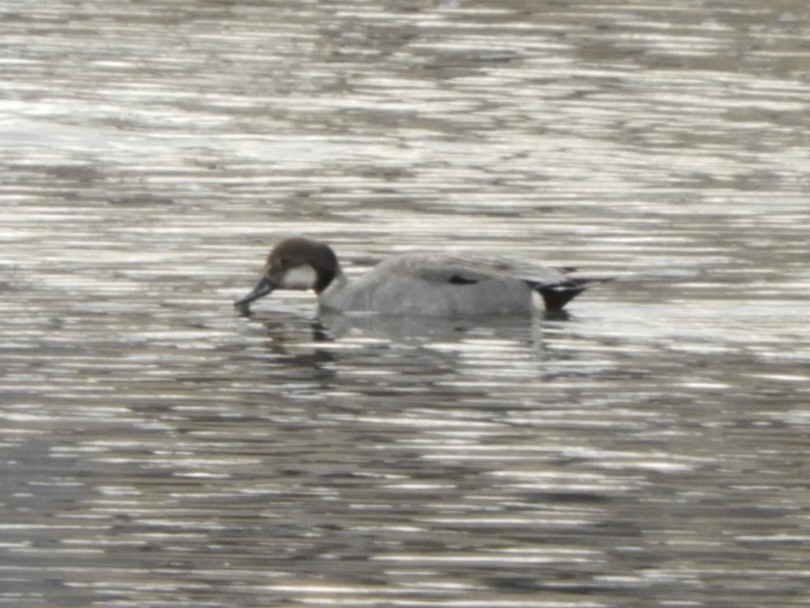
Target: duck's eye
<point x="284" y="262"/>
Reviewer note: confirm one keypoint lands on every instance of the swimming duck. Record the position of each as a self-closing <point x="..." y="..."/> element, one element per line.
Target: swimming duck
<point x="434" y="284"/>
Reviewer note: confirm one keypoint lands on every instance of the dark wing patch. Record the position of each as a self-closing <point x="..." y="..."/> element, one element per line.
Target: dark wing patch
<point x="457" y="279"/>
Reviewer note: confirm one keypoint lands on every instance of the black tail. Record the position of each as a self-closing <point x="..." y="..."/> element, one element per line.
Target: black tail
<point x="555" y="297"/>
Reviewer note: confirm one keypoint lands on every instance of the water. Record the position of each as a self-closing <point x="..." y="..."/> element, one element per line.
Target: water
<point x="158" y="449"/>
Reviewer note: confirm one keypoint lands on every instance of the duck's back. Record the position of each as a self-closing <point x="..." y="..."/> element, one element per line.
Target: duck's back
<point x="433" y="284"/>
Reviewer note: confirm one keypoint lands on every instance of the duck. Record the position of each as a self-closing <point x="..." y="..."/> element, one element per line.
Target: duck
<point x="425" y="284"/>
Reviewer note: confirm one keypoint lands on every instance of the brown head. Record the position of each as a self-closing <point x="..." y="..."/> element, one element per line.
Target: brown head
<point x="295" y="263"/>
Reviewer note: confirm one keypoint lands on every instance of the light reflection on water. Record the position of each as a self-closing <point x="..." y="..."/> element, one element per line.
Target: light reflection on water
<point x="159" y="449"/>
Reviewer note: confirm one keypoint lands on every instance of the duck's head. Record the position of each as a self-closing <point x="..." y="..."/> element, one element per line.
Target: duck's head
<point x="295" y="263"/>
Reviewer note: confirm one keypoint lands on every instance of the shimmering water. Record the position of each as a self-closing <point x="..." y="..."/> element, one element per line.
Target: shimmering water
<point x="160" y="450"/>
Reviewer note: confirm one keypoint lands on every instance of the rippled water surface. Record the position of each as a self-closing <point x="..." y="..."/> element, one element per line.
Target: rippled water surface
<point x="158" y="449"/>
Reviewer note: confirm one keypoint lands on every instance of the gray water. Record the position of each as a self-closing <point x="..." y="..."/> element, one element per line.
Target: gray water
<point x="159" y="449"/>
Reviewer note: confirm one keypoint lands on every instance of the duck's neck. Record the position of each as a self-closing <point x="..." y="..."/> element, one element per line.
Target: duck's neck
<point x="326" y="266"/>
<point x="329" y="280"/>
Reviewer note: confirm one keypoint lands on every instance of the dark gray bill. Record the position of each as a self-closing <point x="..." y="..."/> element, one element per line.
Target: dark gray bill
<point x="263" y="287"/>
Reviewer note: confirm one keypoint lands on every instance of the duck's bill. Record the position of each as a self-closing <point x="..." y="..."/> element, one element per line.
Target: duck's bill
<point x="263" y="288"/>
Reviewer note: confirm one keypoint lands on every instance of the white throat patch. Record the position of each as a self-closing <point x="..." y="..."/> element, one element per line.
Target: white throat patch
<point x="300" y="277"/>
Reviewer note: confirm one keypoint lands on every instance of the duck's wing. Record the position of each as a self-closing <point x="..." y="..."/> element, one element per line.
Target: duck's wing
<point x="555" y="286"/>
<point x="462" y="270"/>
